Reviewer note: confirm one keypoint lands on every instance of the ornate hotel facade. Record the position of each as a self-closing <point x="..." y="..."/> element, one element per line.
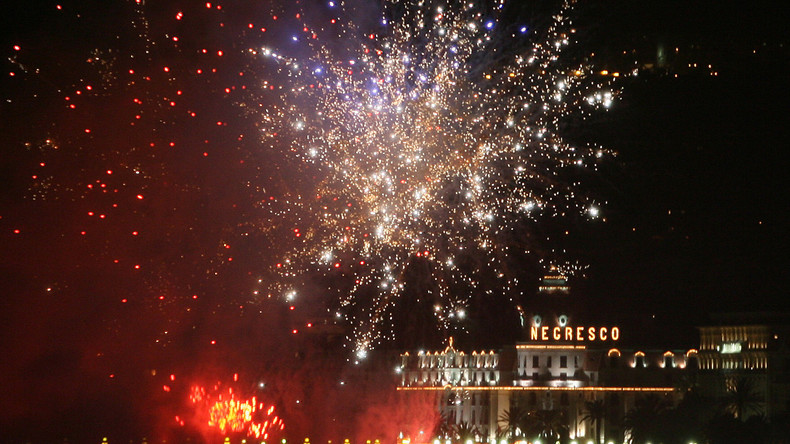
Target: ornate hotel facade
<point x="566" y="369"/>
<point x="480" y="388"/>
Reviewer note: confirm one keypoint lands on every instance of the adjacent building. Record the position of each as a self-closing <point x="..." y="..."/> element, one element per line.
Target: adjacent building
<point x="747" y="352"/>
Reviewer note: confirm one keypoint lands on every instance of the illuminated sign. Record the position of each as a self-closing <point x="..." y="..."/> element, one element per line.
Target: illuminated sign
<point x="567" y="333"/>
<point x="730" y="347"/>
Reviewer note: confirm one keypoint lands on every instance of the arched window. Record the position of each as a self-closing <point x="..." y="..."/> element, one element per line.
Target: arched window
<point x="692" y="361"/>
<point x="614" y="357"/>
<point x="639" y="360"/>
<point x="669" y="360"/>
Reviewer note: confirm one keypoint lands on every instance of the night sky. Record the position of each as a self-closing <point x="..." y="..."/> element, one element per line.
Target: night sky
<point x="149" y="202"/>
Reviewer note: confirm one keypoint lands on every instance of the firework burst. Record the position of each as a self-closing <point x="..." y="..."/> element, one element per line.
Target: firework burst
<point x="427" y="139"/>
<point x="226" y="412"/>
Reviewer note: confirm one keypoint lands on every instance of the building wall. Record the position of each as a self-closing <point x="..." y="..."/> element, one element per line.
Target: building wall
<point x="756" y="355"/>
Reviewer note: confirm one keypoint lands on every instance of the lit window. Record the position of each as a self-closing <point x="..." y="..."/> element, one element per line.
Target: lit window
<point x="614" y="355"/>
<point x="730" y="347"/>
<point x="639" y="360"/>
<point x="669" y="360"/>
<point x="691" y="359"/>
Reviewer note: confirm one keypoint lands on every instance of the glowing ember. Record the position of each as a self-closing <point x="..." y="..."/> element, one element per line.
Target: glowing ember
<point x="228" y="413"/>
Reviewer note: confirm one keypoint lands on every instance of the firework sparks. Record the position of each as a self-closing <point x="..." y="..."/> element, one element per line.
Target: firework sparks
<point x="227" y="413"/>
<point x="429" y="141"/>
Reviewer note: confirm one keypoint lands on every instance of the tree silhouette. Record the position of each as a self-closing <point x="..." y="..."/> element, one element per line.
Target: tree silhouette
<point x="644" y="419"/>
<point x="742" y="399"/>
<point x="595" y="412"/>
<point x="690" y="415"/>
<point x="444" y="428"/>
<point x="548" y="424"/>
<point x="511" y="422"/>
<point x="464" y="432"/>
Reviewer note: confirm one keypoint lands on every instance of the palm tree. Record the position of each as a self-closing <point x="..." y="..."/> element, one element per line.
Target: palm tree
<point x="501" y="434"/>
<point x="595" y="412"/>
<point x="443" y="427"/>
<point x="741" y="399"/>
<point x="464" y="432"/>
<point x="691" y="414"/>
<point x="548" y="424"/>
<point x="642" y="421"/>
<point x="511" y="422"/>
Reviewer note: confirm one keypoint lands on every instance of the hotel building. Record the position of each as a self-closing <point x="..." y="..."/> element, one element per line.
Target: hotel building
<point x="562" y="367"/>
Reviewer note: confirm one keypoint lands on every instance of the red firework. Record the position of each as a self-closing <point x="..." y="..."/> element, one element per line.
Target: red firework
<point x="227" y="412"/>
